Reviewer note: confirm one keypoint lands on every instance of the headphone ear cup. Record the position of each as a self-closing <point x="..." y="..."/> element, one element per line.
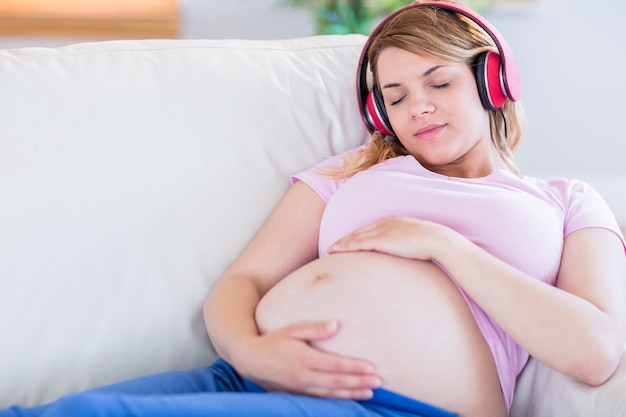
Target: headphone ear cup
<point x="489" y="80"/>
<point x="376" y="112"/>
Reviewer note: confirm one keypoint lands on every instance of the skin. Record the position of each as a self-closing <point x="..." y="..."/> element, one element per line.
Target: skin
<point x="577" y="327"/>
<point x="436" y="113"/>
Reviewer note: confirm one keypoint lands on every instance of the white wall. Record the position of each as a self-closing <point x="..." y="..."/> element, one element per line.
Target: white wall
<point x="571" y="59"/>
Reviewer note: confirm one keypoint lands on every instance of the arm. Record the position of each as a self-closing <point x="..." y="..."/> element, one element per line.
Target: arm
<point x="577" y="327"/>
<point x="281" y="360"/>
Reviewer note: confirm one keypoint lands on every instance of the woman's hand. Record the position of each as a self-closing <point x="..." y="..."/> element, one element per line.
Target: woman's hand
<point x="400" y="236"/>
<point x="284" y="360"/>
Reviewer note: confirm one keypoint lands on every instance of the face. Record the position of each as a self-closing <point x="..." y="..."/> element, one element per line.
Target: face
<point x="436" y="113"/>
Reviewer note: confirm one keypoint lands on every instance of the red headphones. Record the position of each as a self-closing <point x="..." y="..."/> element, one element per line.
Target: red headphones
<point x="497" y="74"/>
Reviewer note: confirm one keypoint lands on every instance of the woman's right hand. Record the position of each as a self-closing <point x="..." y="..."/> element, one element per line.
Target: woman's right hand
<point x="284" y="360"/>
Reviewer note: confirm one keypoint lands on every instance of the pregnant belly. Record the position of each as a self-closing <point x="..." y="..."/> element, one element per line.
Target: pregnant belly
<point x="405" y="316"/>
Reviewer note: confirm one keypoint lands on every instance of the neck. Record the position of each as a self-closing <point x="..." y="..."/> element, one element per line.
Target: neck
<point x="470" y="166"/>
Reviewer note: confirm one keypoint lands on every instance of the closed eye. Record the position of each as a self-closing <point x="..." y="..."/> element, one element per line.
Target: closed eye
<point x="394" y="102"/>
<point x="440" y="86"/>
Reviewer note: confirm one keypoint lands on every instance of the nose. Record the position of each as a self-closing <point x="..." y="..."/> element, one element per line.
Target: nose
<point x="420" y="105"/>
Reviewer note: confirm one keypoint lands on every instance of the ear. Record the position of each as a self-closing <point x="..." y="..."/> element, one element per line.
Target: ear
<point x="377" y="113"/>
<point x="489" y="80"/>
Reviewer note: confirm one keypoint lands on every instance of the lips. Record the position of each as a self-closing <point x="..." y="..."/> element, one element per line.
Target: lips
<point x="429" y="131"/>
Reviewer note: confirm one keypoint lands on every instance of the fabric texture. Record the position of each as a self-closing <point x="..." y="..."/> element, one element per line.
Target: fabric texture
<point x="520" y="220"/>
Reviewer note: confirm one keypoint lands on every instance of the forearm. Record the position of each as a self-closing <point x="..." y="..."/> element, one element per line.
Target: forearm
<point x="565" y="331"/>
<point x="229" y="315"/>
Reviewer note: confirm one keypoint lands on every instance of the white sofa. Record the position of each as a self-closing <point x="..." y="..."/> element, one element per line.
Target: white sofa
<point x="133" y="172"/>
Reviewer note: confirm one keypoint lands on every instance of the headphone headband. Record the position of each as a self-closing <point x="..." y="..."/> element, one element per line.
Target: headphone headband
<point x="508" y="74"/>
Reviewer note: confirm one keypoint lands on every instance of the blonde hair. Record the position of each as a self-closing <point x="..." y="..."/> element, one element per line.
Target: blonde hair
<point x="442" y="36"/>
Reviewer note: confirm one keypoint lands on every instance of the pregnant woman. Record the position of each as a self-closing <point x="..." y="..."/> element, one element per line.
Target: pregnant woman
<point x="412" y="276"/>
<point x="426" y="253"/>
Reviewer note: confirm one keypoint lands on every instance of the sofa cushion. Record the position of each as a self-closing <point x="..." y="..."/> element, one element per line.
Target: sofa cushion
<point x="543" y="392"/>
<point x="131" y="174"/>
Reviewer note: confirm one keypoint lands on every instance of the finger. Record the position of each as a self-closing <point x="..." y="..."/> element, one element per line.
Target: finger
<point x="325" y="392"/>
<point x="324" y="361"/>
<point x="359" y="242"/>
<point x="313" y="330"/>
<point x="339" y="384"/>
<point x="343" y="394"/>
<point x="331" y="363"/>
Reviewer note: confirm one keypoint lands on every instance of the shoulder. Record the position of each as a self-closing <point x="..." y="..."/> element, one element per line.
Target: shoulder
<point x="571" y="194"/>
<point x="581" y="204"/>
<point x="318" y="177"/>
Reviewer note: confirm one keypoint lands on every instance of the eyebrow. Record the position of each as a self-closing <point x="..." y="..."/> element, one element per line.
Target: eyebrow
<point x="425" y="74"/>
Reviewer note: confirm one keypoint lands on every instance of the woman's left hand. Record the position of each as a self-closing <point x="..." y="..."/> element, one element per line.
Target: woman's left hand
<point x="400" y="236"/>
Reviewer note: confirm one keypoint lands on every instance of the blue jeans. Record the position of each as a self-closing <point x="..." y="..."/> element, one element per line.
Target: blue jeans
<point x="216" y="391"/>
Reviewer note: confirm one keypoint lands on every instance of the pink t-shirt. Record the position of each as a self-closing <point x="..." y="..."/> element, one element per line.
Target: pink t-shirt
<point x="522" y="221"/>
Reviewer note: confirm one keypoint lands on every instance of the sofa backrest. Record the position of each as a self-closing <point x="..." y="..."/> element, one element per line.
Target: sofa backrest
<point x="131" y="174"/>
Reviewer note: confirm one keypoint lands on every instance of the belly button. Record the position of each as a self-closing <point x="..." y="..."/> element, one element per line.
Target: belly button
<point x="323" y="276"/>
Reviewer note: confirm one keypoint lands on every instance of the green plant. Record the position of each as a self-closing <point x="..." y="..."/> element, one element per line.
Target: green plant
<point x="356" y="16"/>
